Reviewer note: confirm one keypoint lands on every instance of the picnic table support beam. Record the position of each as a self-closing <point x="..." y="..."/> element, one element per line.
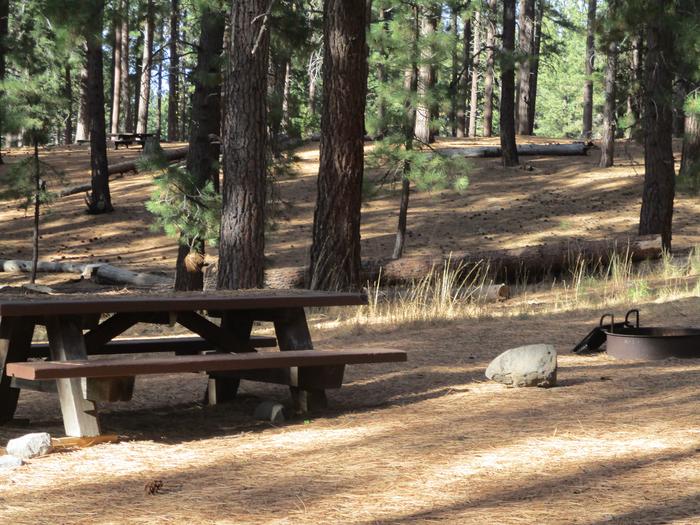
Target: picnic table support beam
<point x="15" y="343"/>
<point x="293" y="333"/>
<point x="223" y="387"/>
<point x="66" y="342"/>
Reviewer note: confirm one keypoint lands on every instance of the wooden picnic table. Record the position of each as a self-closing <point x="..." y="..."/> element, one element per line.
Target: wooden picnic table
<point x="87" y="325"/>
<point x="127" y="139"/>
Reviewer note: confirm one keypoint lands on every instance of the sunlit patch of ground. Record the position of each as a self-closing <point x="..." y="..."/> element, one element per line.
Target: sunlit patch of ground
<point x="428" y="441"/>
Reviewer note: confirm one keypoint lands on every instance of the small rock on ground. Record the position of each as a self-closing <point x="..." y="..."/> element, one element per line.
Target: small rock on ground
<point x="30" y="445"/>
<point x="270" y="411"/>
<point x="9" y="462"/>
<point x="531" y="365"/>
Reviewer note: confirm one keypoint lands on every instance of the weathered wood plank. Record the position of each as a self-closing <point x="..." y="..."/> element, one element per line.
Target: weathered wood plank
<point x="15" y="342"/>
<point x="67" y="344"/>
<point x="199" y="363"/>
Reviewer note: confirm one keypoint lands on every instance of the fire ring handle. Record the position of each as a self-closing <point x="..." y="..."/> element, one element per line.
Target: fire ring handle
<point x="636" y="314"/>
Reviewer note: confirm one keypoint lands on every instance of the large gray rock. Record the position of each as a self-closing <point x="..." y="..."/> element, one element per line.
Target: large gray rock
<point x="9" y="462"/>
<point x="531" y="365"/>
<point x="30" y="445"/>
<point x="270" y="411"/>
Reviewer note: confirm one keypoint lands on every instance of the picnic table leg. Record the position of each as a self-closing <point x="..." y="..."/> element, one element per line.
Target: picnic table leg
<point x="223" y="387"/>
<point x="66" y="342"/>
<point x="15" y="343"/>
<point x="293" y="334"/>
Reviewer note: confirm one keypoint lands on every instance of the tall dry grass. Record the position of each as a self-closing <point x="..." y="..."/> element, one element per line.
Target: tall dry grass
<point x="448" y="292"/>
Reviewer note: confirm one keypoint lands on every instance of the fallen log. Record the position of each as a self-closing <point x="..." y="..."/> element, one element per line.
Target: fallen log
<point x="101" y="272"/>
<point x="529" y="263"/>
<point x="171" y="155"/>
<point x="559" y="150"/>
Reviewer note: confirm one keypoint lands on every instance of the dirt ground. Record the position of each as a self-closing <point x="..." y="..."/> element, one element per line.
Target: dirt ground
<point x="428" y="441"/>
<point x="562" y="197"/>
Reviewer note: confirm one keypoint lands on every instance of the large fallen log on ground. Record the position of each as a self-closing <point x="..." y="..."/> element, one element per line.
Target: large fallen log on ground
<point x="529" y="263"/>
<point x="560" y="150"/>
<point x="171" y="155"/>
<point x="100" y="272"/>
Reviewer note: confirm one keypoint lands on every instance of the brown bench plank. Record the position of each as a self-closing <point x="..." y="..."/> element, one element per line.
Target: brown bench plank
<point x="199" y="363"/>
<point x="179" y="345"/>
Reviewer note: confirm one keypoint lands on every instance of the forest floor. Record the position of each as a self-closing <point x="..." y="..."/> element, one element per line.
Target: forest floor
<point x="427" y="441"/>
<point x="560" y="198"/>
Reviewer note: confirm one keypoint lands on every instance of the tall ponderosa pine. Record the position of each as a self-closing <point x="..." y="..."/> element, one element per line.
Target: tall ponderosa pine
<point x="203" y="153"/>
<point x="146" y="62"/>
<point x="463" y="84"/>
<point x="607" y="145"/>
<point x="99" y="199"/>
<point x="242" y="244"/>
<point x="117" y="71"/>
<point x="425" y="112"/>
<point x="525" y="75"/>
<point x="589" y="67"/>
<point x="476" y="52"/>
<point x="174" y="71"/>
<point x="125" y="104"/>
<point x="490" y="19"/>
<point x="690" y="156"/>
<point x="4" y="20"/>
<point x="335" y="246"/>
<point x="507" y="114"/>
<point x="659" y="180"/>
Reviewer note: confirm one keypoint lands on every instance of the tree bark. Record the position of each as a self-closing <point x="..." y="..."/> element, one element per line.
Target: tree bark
<point x="476" y="51"/>
<point x="37" y="210"/>
<point x="173" y="72"/>
<point x="507" y="116"/>
<point x="607" y="145"/>
<point x="136" y="82"/>
<point x="68" y="93"/>
<point x="588" y="83"/>
<point x="203" y="156"/>
<point x="82" y="129"/>
<point x="410" y="89"/>
<point x="659" y="180"/>
<point x="633" y="96"/>
<point x="117" y="73"/>
<point x="124" y="69"/>
<point x="146" y="63"/>
<point x="426" y="79"/>
<point x="99" y="200"/>
<point x="242" y="246"/>
<point x="462" y="125"/>
<point x="4" y="28"/>
<point x="455" y="67"/>
<point x="491" y="7"/>
<point x="690" y="158"/>
<point x="535" y="68"/>
<point x="527" y="48"/>
<point x="335" y="246"/>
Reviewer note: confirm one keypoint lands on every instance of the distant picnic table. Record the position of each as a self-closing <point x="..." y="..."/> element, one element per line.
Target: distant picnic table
<point x="83" y="327"/>
<point x="127" y="139"/>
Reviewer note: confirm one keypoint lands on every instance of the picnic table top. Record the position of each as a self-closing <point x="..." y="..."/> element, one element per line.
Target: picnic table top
<point x="131" y="134"/>
<point x="16" y="305"/>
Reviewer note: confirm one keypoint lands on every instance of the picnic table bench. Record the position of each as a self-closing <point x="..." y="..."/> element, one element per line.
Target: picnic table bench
<point x="127" y="139"/>
<point x="228" y="351"/>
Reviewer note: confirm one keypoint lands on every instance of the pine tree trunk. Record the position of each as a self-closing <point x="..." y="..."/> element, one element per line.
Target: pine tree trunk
<point x="68" y="94"/>
<point x="202" y="155"/>
<point x="535" y="68"/>
<point x="491" y="7"/>
<point x="173" y="72"/>
<point x="476" y="51"/>
<point x="159" y="82"/>
<point x="382" y="129"/>
<point x="507" y="114"/>
<point x="659" y="180"/>
<point x="335" y="246"/>
<point x="607" y="144"/>
<point x="4" y="27"/>
<point x="690" y="158"/>
<point x="452" y="116"/>
<point x="37" y="211"/>
<point x="410" y="89"/>
<point x="242" y="246"/>
<point x="124" y="69"/>
<point x="117" y="73"/>
<point x="426" y="80"/>
<point x="527" y="48"/>
<point x="82" y="130"/>
<point x="589" y="66"/>
<point x="462" y="125"/>
<point x="99" y="200"/>
<point x="680" y="92"/>
<point x="146" y="62"/>
<point x="633" y="97"/>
